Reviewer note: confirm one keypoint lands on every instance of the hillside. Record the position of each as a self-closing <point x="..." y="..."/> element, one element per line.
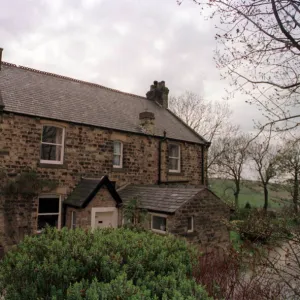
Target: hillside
<point x="252" y="192"/>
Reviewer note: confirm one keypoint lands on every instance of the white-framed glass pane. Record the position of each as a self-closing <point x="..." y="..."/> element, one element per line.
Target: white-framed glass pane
<point x="159" y="223"/>
<point x="53" y="135"/>
<point x="44" y="220"/>
<point x="51" y="152"/>
<point x="117" y="148"/>
<point x="48" y="205"/>
<point x="173" y="164"/>
<point x="173" y="150"/>
<point x="117" y="160"/>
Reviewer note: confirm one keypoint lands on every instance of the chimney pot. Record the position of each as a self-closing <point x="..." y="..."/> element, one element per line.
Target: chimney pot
<point x="158" y="92"/>
<point x="147" y="121"/>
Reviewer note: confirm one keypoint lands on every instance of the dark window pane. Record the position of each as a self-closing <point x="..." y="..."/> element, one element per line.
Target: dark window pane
<point x="117" y="160"/>
<point x="51" y="220"/>
<point x="173" y="164"/>
<point x="117" y="148"/>
<point x="52" y="135"/>
<point x="51" y="152"/>
<point x="48" y="205"/>
<point x="159" y="223"/>
<point x="174" y="150"/>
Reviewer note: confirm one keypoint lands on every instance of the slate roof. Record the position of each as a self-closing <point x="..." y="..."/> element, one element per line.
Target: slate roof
<point x="87" y="189"/>
<point x="32" y="92"/>
<point x="157" y="198"/>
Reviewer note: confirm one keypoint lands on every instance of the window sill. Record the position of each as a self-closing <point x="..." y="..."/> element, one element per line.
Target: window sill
<point x="52" y="166"/>
<point x="121" y="170"/>
<point x="175" y="173"/>
<point x="159" y="231"/>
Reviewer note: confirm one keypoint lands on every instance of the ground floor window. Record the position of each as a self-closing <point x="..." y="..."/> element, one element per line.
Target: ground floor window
<point x="159" y="223"/>
<point x="73" y="220"/>
<point x="49" y="212"/>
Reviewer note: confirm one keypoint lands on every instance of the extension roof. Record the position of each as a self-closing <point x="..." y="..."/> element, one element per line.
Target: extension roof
<point x="159" y="198"/>
<point x="87" y="189"/>
<point x="36" y="93"/>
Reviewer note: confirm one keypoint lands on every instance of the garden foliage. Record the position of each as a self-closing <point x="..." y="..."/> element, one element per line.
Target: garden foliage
<point x="104" y="264"/>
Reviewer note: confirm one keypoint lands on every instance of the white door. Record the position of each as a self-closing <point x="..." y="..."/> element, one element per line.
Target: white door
<point x="103" y="217"/>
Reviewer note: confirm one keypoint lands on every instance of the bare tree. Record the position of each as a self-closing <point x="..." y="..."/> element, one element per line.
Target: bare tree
<point x="231" y="162"/>
<point x="259" y="49"/>
<point x="211" y="119"/>
<point x="265" y="158"/>
<point x="208" y="118"/>
<point x="290" y="165"/>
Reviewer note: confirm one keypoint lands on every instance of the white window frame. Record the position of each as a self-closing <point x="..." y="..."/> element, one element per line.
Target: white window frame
<point x="174" y="157"/>
<point x="157" y="230"/>
<point x="191" y="230"/>
<point x="50" y="214"/>
<point x="73" y="224"/>
<point x="54" y="162"/>
<point x="121" y="155"/>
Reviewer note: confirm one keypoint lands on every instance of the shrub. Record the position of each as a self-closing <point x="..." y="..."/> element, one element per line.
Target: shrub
<point x="248" y="205"/>
<point x="104" y="264"/>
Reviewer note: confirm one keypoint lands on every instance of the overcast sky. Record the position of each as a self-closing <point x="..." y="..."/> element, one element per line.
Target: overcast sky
<point x="122" y="44"/>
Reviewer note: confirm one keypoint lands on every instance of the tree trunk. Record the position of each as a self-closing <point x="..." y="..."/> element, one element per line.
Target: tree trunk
<point x="266" y="194"/>
<point x="236" y="196"/>
<point x="296" y="191"/>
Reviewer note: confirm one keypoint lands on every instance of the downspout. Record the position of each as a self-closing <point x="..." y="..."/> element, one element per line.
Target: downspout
<point x="159" y="156"/>
<point x="64" y="215"/>
<point x="202" y="164"/>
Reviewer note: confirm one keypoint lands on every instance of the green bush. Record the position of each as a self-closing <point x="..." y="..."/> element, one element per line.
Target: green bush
<point x="104" y="264"/>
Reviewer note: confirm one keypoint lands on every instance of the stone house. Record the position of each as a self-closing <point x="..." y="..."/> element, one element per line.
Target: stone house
<point x="102" y="147"/>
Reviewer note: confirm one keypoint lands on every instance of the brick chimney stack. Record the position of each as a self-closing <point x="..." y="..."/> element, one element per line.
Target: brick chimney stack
<point x="1" y="50"/>
<point x="158" y="93"/>
<point x="147" y="121"/>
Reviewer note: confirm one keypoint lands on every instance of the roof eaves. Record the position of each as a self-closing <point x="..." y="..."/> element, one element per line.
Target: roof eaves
<point x="191" y="129"/>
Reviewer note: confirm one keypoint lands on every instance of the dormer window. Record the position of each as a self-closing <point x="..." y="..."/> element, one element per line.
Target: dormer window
<point x="118" y="155"/>
<point x="52" y="145"/>
<point x="174" y="158"/>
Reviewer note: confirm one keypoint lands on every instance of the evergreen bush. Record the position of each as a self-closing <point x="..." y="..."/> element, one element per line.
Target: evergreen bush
<point x="103" y="264"/>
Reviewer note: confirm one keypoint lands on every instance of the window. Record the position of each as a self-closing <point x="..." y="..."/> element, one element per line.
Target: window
<point x="174" y="158"/>
<point x="118" y="155"/>
<point x="159" y="223"/>
<point x="73" y="220"/>
<point x="190" y="227"/>
<point x="49" y="212"/>
<point x="52" y="145"/>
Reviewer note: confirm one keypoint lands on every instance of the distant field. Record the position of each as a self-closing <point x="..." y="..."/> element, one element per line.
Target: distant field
<point x="251" y="192"/>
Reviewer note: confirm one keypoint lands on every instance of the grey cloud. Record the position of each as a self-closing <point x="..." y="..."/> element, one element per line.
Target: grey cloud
<point x="124" y="44"/>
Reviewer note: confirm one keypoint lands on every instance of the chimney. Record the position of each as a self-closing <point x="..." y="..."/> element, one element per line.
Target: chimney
<point x="147" y="121"/>
<point x="1" y="50"/>
<point x="159" y="93"/>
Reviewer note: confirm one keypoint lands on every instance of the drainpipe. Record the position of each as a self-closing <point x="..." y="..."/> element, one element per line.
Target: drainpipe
<point x="202" y="163"/>
<point x="159" y="156"/>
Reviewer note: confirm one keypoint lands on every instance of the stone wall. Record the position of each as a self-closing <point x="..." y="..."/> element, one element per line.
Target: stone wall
<point x="83" y="216"/>
<point x="88" y="153"/>
<point x="209" y="213"/>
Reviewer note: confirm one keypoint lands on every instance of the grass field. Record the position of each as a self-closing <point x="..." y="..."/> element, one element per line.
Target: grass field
<point x="251" y="192"/>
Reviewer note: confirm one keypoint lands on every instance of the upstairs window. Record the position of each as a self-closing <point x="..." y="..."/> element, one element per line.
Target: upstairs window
<point x="118" y="154"/>
<point x="174" y="158"/>
<point x="52" y="145"/>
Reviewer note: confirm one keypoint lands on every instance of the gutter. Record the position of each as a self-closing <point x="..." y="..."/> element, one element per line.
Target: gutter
<point x="159" y="157"/>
